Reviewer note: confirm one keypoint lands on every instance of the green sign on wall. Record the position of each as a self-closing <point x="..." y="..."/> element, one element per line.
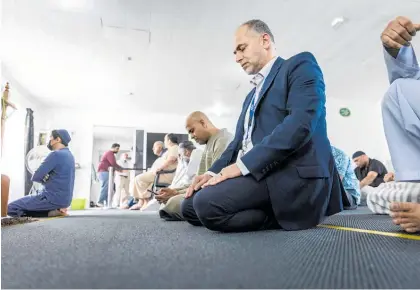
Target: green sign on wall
<point x="345" y="112"/>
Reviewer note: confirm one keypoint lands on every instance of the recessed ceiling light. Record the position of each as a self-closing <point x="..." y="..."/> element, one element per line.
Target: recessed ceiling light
<point x="218" y="109"/>
<point x="338" y="21"/>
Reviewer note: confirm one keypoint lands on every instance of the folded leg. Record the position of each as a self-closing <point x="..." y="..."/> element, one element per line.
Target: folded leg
<point x="401" y="120"/>
<point x="235" y="205"/>
<point x="380" y="198"/>
<point x="171" y="211"/>
<point x="31" y="205"/>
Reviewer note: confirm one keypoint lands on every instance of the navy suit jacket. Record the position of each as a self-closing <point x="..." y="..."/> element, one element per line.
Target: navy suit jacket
<point x="291" y="151"/>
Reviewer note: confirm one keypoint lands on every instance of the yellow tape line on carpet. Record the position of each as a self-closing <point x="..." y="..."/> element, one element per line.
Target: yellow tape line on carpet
<point x="395" y="235"/>
<point x="50" y="218"/>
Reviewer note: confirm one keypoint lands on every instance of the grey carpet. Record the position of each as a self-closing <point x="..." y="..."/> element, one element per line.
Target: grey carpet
<point x="366" y="221"/>
<point x="359" y="210"/>
<point x="115" y="249"/>
<point x="11" y="221"/>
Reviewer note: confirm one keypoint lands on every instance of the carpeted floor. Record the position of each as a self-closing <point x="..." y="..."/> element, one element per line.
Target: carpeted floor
<point x="11" y="221"/>
<point x="123" y="249"/>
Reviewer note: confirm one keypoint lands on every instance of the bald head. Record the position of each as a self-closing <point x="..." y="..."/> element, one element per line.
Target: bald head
<point x="200" y="127"/>
<point x="157" y="148"/>
<point x="198" y="116"/>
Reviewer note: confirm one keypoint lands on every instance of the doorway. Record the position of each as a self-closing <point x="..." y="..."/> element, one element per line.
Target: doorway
<point x="131" y="141"/>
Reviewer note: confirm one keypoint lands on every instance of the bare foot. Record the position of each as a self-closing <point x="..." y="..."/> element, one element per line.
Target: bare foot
<point x="149" y="203"/>
<point x="58" y="212"/>
<point x="145" y="205"/>
<point x="390" y="176"/>
<point x="124" y="206"/>
<point x="407" y="215"/>
<point x="63" y="211"/>
<point x="137" y="206"/>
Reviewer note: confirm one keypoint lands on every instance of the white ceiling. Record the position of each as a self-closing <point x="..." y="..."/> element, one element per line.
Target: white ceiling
<point x="74" y="53"/>
<point x="116" y="134"/>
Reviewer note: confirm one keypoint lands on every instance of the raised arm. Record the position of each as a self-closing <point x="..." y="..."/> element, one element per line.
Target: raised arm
<point x="399" y="54"/>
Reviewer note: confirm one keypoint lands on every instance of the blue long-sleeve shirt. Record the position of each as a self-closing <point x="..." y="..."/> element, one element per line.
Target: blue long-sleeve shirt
<point x="60" y="167"/>
<point x="405" y="65"/>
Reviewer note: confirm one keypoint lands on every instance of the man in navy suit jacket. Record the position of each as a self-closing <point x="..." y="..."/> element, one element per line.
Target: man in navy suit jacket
<point x="278" y="172"/>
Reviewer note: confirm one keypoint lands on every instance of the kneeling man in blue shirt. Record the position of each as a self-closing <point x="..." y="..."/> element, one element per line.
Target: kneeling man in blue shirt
<point x="56" y="174"/>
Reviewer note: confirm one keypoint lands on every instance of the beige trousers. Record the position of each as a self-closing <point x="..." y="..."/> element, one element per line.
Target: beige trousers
<point x="172" y="209"/>
<point x="144" y="181"/>
<point x="121" y="190"/>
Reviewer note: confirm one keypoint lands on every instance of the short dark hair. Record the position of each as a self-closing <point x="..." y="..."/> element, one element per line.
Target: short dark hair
<point x="187" y="145"/>
<point x="55" y="135"/>
<point x="358" y="154"/>
<point x="260" y="27"/>
<point x="173" y="138"/>
<point x="115" y="145"/>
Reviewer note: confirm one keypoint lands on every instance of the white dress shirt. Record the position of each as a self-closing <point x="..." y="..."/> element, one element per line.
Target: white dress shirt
<point x="258" y="81"/>
<point x="186" y="171"/>
<point x="123" y="164"/>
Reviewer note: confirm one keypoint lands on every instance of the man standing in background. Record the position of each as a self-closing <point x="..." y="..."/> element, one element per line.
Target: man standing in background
<point x="122" y="181"/>
<point x="107" y="160"/>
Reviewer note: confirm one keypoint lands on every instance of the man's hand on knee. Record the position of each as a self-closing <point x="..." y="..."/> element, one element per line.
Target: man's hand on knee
<point x="198" y="182"/>
<point x="229" y="172"/>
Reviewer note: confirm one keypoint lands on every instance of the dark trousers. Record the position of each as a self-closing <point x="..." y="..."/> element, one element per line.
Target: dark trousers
<point x="235" y="205"/>
<point x="31" y="205"/>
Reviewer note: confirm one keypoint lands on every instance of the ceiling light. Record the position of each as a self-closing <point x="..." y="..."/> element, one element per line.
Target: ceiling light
<point x="337" y="22"/>
<point x="218" y="109"/>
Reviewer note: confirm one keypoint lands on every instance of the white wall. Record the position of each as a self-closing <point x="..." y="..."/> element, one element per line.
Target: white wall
<point x="362" y="130"/>
<point x="13" y="159"/>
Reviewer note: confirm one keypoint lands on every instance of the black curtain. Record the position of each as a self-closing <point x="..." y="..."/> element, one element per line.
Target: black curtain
<point x="138" y="153"/>
<point x="29" y="144"/>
